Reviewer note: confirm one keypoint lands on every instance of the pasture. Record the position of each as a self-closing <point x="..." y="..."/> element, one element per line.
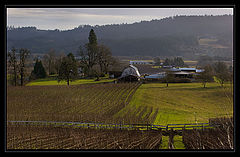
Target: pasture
<point x="181" y="102"/>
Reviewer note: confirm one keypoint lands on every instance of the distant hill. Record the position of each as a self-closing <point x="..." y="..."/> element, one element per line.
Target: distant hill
<point x="186" y="36"/>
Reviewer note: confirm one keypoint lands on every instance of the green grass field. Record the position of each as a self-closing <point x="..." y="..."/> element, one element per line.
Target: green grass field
<point x="53" y="81"/>
<point x="182" y="103"/>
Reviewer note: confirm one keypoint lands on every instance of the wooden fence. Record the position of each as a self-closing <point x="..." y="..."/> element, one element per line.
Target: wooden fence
<point x="117" y="126"/>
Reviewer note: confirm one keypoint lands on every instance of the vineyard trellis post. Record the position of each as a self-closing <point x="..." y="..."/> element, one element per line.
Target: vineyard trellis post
<point x="170" y="141"/>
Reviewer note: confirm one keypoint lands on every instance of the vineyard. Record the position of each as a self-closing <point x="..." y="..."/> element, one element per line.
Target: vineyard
<point x="80" y="103"/>
<point x="214" y="138"/>
<point x="117" y="116"/>
<point x="48" y="137"/>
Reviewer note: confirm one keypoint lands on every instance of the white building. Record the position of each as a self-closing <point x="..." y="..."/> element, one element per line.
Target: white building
<point x="140" y="62"/>
<point x="130" y="73"/>
<point x="158" y="75"/>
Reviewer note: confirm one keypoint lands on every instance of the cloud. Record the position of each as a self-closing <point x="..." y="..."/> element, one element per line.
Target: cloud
<point x="68" y="18"/>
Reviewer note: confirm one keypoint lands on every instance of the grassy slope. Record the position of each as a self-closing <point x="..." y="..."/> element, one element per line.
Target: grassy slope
<point x="178" y="102"/>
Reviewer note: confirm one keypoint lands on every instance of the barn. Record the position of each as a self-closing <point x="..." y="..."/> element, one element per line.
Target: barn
<point x="130" y="74"/>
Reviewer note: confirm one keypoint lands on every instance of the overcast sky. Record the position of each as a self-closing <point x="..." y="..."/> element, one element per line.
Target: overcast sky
<point x="69" y="18"/>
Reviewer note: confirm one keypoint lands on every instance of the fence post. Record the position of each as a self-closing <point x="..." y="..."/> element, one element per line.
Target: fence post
<point x="170" y="141"/>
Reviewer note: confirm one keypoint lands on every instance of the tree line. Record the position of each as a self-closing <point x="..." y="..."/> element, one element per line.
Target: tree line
<point x="218" y="70"/>
<point x="92" y="59"/>
<point x="176" y="62"/>
<point x="172" y="36"/>
<point x="17" y="61"/>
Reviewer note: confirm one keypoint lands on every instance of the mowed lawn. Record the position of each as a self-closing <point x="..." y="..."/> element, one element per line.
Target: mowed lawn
<point x="182" y="102"/>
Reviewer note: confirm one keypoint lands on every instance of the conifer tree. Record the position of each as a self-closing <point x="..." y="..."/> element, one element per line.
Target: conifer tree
<point x="38" y="71"/>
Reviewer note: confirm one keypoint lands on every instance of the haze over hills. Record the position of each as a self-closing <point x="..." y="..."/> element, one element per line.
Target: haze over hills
<point x="187" y="36"/>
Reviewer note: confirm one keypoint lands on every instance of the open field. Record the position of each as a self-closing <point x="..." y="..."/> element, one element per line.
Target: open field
<point x="190" y="63"/>
<point x="181" y="103"/>
<point x="210" y="43"/>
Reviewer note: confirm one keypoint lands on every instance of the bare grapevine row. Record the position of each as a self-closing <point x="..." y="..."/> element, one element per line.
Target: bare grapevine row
<point x="213" y="138"/>
<point x="84" y="103"/>
<point x="32" y="137"/>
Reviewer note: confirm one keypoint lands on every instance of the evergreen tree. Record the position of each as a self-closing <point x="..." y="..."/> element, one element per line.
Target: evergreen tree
<point x="89" y="56"/>
<point x="38" y="71"/>
<point x="92" y="38"/>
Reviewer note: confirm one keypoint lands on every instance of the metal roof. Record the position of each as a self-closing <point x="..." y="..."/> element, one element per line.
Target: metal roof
<point x="187" y="68"/>
<point x="127" y="72"/>
<point x="136" y="69"/>
<point x="181" y="73"/>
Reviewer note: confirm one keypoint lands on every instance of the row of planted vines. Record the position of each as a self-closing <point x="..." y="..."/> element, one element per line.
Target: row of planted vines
<point x="108" y="104"/>
<point x="220" y="137"/>
<point x="82" y="103"/>
<point x="48" y="137"/>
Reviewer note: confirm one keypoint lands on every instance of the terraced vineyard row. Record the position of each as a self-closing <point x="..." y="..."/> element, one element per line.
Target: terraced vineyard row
<point x="46" y="137"/>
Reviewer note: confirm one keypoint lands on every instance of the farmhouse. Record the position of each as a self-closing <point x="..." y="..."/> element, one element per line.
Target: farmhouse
<point x="130" y="74"/>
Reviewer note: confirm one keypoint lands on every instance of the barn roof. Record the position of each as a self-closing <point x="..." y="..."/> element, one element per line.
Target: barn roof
<point x="190" y="69"/>
<point x="127" y="72"/>
<point x="148" y="69"/>
<point x="181" y="73"/>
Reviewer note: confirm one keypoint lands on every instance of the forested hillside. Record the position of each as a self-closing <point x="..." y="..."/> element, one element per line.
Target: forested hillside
<point x="186" y="36"/>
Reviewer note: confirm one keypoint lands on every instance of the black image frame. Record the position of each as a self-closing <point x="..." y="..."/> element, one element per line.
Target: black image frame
<point x="37" y="5"/>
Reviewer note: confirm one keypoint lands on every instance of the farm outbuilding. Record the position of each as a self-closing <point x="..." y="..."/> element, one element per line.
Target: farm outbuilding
<point x="182" y="74"/>
<point x="130" y="74"/>
<point x="156" y="76"/>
